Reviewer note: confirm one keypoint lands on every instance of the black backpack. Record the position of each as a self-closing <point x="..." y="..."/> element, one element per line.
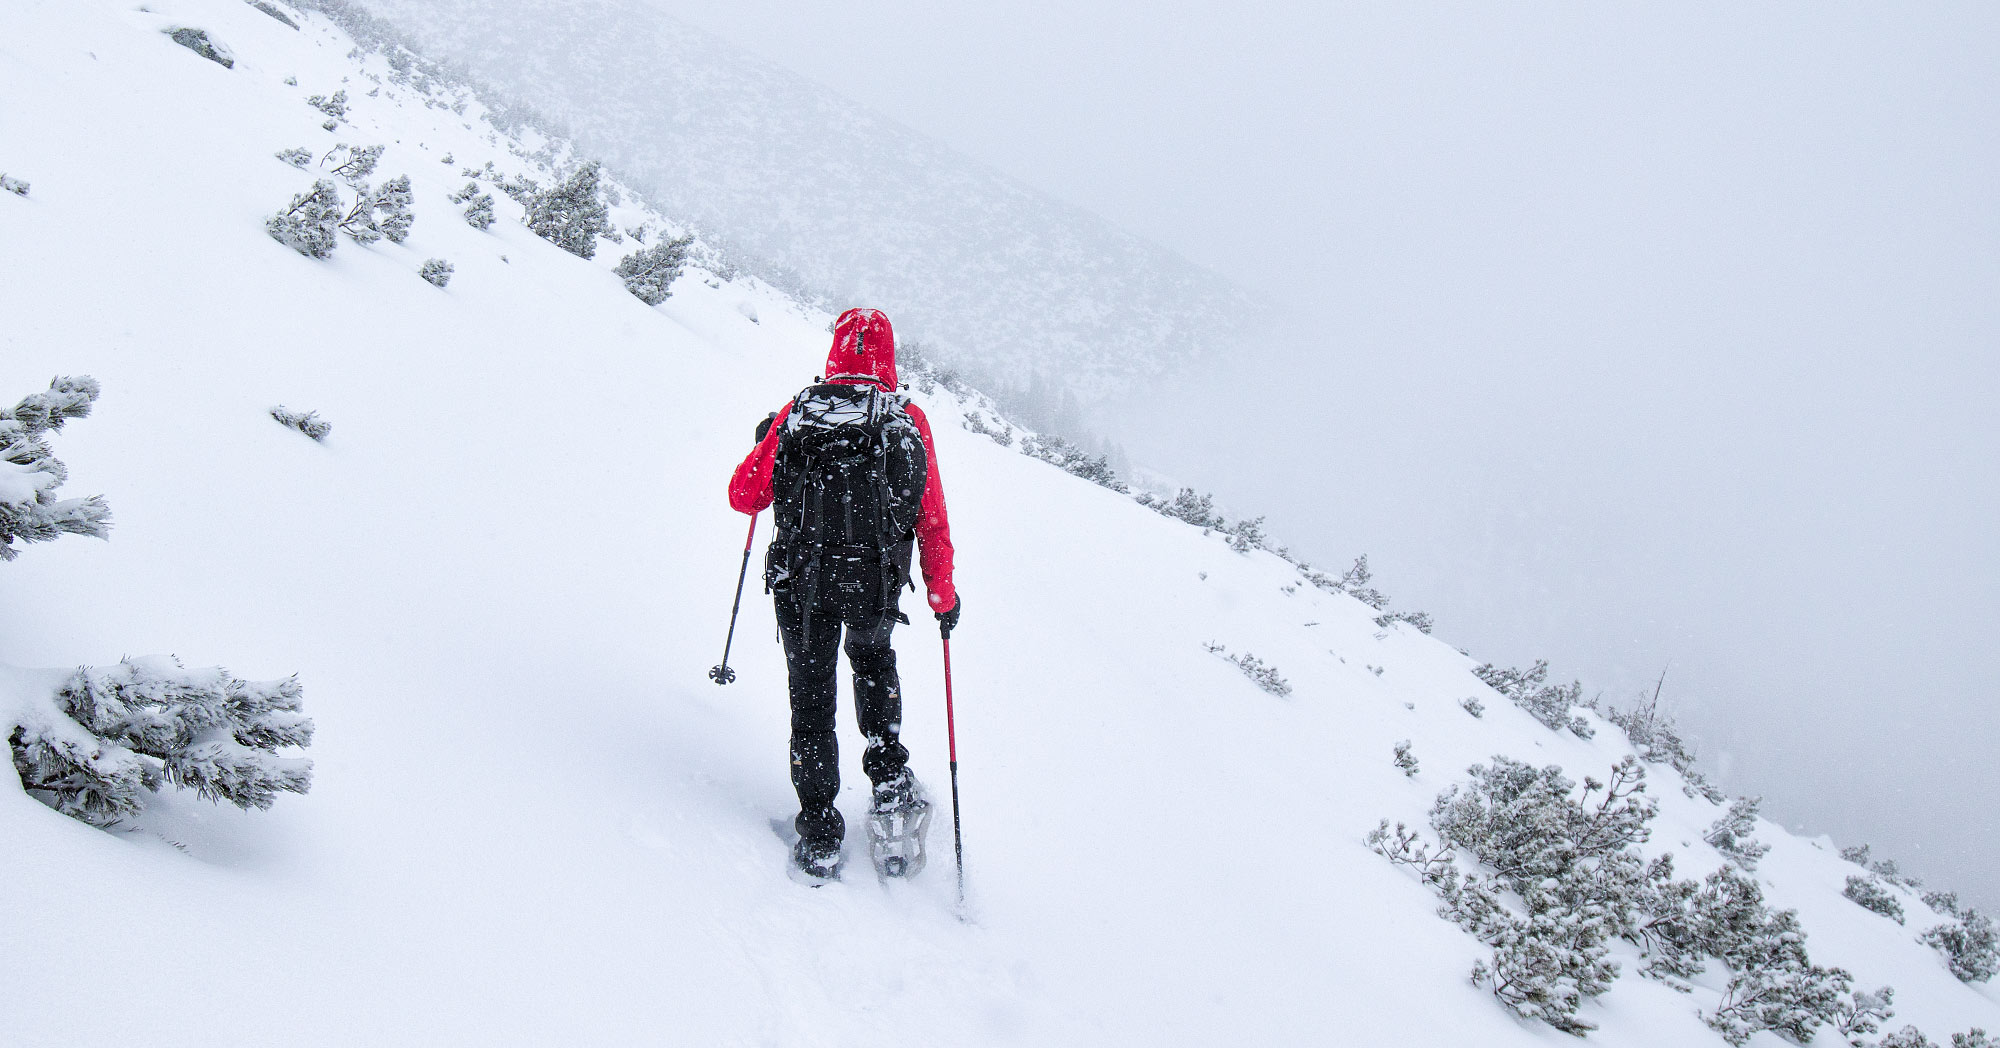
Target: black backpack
<point x="847" y="488"/>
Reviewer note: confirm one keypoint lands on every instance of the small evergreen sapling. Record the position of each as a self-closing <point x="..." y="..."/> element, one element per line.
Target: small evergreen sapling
<point x="30" y="473"/>
<point x="1419" y="619"/>
<point x="308" y="423"/>
<point x="10" y="184"/>
<point x="1406" y="760"/>
<point x="1869" y="894"/>
<point x="1973" y="1038"/>
<point x="437" y="271"/>
<point x="392" y="202"/>
<point x="1969" y="943"/>
<point x="1907" y="1037"/>
<point x="1472" y="705"/>
<point x="359" y="221"/>
<point x="308" y="224"/>
<point x="1864" y="1013"/>
<point x="649" y="272"/>
<point x="334" y="105"/>
<point x="353" y="164"/>
<point x="112" y="735"/>
<point x="478" y="206"/>
<point x="1530" y="690"/>
<point x="571" y="214"/>
<point x="1731" y="834"/>
<point x="298" y="156"/>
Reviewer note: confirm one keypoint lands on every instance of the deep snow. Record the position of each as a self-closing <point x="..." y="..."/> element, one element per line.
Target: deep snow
<point x="504" y="577"/>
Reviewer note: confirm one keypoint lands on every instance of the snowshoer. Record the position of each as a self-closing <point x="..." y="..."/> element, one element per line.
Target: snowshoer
<point x="851" y="467"/>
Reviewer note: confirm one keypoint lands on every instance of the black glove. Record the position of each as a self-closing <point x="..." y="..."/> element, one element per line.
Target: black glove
<point x="948" y="620"/>
<point x="765" y="426"/>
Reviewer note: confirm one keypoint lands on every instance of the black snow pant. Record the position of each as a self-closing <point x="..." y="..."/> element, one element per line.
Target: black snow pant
<point x="812" y="643"/>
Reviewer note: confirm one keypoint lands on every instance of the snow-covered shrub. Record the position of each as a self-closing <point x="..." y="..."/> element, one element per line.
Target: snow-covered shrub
<point x="1969" y="944"/>
<point x="1777" y="987"/>
<point x="1405" y="759"/>
<point x="1420" y="619"/>
<point x="1973" y="1038"/>
<point x="478" y="206"/>
<point x="111" y="735"/>
<point x="392" y="201"/>
<point x="10" y="184"/>
<point x="571" y="214"/>
<point x="272" y="9"/>
<point x="521" y="188"/>
<point x="1265" y="677"/>
<point x="649" y="272"/>
<point x="297" y="156"/>
<point x="1579" y="726"/>
<point x="437" y="271"/>
<point x="1186" y="505"/>
<point x="30" y="473"/>
<point x="1907" y="1037"/>
<point x="1246" y="535"/>
<point x="1731" y="834"/>
<point x="359" y="221"/>
<point x="1066" y="456"/>
<point x="353" y="164"/>
<point x="1473" y="706"/>
<point x="1353" y="583"/>
<point x="308" y="224"/>
<point x="1864" y="1013"/>
<point x="334" y="105"/>
<point x="1869" y="894"/>
<point x="1530" y="690"/>
<point x="1654" y="735"/>
<point x="198" y="41"/>
<point x="308" y="423"/>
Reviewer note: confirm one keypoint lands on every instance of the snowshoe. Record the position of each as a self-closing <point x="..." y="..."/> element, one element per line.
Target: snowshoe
<point x="897" y="823"/>
<point x="815" y="862"/>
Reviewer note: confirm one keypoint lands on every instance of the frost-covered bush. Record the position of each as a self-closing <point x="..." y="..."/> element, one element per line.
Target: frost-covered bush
<point x="297" y="156"/>
<point x="1731" y="834"/>
<point x="1776" y="987"/>
<point x="1246" y="535"/>
<point x="478" y="205"/>
<point x="30" y="473"/>
<point x="393" y="207"/>
<point x="308" y="423"/>
<point x="111" y="735"/>
<point x="649" y="272"/>
<point x="1473" y="706"/>
<point x="1864" y="1013"/>
<point x="334" y="105"/>
<point x="437" y="271"/>
<point x="1973" y="1038"/>
<point x="1869" y="894"/>
<point x="1419" y="619"/>
<point x="359" y="221"/>
<point x="521" y="188"/>
<point x="1265" y="677"/>
<point x="1353" y="583"/>
<point x="1405" y="759"/>
<point x="1187" y="505"/>
<point x="353" y="164"/>
<point x="1907" y="1037"/>
<point x="1969" y="944"/>
<point x="198" y="41"/>
<point x="308" y="224"/>
<point x="10" y="184"/>
<point x="571" y="214"/>
<point x="1066" y="456"/>
<point x="1530" y="690"/>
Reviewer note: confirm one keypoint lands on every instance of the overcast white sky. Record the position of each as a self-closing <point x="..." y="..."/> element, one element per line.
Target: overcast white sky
<point x="1616" y="335"/>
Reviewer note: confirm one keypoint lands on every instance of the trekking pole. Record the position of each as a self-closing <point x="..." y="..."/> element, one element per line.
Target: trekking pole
<point x="951" y="736"/>
<point x="722" y="674"/>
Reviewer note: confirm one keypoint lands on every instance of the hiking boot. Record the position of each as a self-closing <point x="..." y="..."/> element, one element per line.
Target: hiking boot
<point x="816" y="860"/>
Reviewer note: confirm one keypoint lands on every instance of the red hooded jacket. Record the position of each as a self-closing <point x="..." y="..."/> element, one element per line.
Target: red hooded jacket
<point x="863" y="353"/>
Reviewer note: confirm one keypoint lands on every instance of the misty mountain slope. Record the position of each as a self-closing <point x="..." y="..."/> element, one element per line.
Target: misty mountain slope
<point x="503" y="578"/>
<point x="795" y="179"/>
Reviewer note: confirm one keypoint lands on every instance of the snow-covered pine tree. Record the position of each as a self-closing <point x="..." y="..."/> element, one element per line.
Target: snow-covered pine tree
<point x="1419" y="619"/>
<point x="1864" y="1013"/>
<point x="437" y="271"/>
<point x="393" y="206"/>
<point x="1969" y="943"/>
<point x="1246" y="535"/>
<point x="649" y="272"/>
<point x="1405" y="759"/>
<point x="30" y="473"/>
<point x="1732" y="834"/>
<point x="478" y="206"/>
<point x="308" y="423"/>
<point x="1195" y="509"/>
<point x="1869" y="894"/>
<point x="334" y="105"/>
<point x="1472" y="705"/>
<point x="571" y="214"/>
<point x="1776" y="986"/>
<point x="297" y="156"/>
<point x="1973" y="1038"/>
<point x="1528" y="689"/>
<point x="111" y="735"/>
<point x="353" y="164"/>
<point x="1907" y="1037"/>
<point x="359" y="221"/>
<point x="308" y="224"/>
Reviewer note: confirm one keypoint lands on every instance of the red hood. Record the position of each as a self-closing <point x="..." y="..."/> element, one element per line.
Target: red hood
<point x="864" y="349"/>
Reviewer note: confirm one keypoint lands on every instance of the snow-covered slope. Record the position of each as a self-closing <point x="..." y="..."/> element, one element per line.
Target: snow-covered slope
<point x="802" y="181"/>
<point x="503" y="578"/>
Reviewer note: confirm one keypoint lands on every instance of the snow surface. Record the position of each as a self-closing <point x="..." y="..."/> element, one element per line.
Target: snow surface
<point x="503" y="578"/>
